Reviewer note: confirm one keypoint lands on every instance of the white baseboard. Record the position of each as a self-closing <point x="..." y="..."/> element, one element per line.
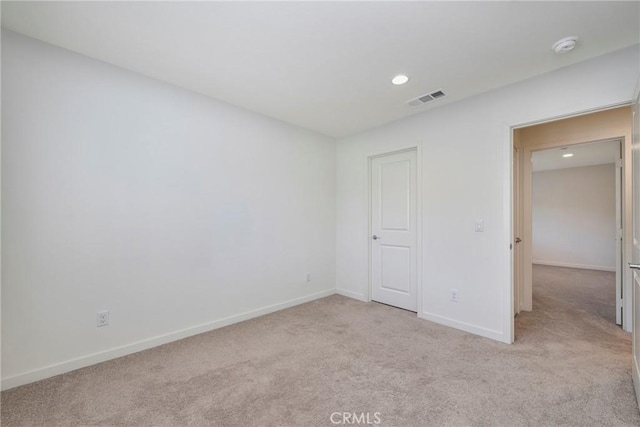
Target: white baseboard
<point x="635" y="373"/>
<point x="103" y="356"/>
<point x="570" y="265"/>
<point x="467" y="327"/>
<point x="351" y="294"/>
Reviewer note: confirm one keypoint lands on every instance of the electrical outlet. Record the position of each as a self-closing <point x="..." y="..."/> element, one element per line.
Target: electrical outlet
<point x="102" y="318"/>
<point x="308" y="277"/>
<point x="453" y="295"/>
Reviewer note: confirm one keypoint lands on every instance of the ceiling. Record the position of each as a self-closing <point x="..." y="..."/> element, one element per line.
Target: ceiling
<point x="327" y="66"/>
<point x="597" y="153"/>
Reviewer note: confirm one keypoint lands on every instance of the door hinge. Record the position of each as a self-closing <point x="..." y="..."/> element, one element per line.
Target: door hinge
<point x="619" y="234"/>
<point x="619" y="163"/>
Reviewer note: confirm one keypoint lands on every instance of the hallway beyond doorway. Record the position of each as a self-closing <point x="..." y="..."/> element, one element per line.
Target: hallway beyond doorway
<point x="565" y="290"/>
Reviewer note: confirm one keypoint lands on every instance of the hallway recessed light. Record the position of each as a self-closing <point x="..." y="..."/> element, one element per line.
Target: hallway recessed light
<point x="400" y="79"/>
<point x="568" y="155"/>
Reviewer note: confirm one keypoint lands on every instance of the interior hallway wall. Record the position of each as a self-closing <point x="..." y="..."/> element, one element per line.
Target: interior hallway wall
<point x="574" y="217"/>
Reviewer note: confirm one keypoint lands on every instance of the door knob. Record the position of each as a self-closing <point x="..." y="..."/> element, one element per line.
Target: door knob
<point x="518" y="240"/>
<point x="376" y="237"/>
<point x="634" y="266"/>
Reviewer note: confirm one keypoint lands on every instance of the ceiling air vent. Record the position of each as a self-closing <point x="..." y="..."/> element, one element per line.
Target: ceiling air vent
<point x="423" y="99"/>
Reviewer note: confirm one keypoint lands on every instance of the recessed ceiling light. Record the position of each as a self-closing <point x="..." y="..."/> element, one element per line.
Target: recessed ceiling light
<point x="565" y="45"/>
<point x="568" y="155"/>
<point x="400" y="79"/>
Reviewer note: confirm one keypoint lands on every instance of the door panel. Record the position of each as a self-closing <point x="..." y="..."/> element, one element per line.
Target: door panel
<point x="394" y="200"/>
<point x="619" y="242"/>
<point x="635" y="255"/>
<point x="517" y="258"/>
<point x="395" y="268"/>
<point x="394" y="229"/>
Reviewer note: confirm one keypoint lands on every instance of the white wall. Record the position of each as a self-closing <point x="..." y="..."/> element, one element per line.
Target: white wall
<point x="466" y="156"/>
<point x="174" y="211"/>
<point x="574" y="217"/>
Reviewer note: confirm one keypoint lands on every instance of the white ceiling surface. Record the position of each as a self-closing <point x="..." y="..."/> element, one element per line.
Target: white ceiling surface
<point x="598" y="153"/>
<point x="326" y="66"/>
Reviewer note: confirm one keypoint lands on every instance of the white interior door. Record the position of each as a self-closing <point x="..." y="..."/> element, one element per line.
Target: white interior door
<point x="394" y="230"/>
<point x="635" y="256"/>
<point x="618" y="238"/>
<point x="517" y="259"/>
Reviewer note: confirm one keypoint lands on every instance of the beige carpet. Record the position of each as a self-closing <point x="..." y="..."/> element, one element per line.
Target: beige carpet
<point x="570" y="366"/>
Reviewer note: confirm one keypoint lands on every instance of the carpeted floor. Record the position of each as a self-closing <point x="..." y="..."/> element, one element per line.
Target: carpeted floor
<point x="570" y="366"/>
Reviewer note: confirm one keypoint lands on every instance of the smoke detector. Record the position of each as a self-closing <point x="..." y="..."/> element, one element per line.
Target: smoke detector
<point x="423" y="99"/>
<point x="565" y="45"/>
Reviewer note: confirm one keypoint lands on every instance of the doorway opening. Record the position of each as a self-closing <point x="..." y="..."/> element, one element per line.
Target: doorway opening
<point x="577" y="226"/>
<point x="566" y="240"/>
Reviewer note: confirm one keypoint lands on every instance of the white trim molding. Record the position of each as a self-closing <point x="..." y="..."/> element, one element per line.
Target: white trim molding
<point x="570" y="265"/>
<point x="113" y="353"/>
<point x="353" y="295"/>
<point x="467" y="327"/>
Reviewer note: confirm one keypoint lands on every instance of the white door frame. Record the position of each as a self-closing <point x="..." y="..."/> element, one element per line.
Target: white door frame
<point x="509" y="233"/>
<point x="620" y="238"/>
<point x="635" y="275"/>
<point x="368" y="242"/>
<point x="508" y="144"/>
<point x="517" y="232"/>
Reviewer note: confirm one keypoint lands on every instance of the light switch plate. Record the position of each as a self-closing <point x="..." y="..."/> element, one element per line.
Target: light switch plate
<point x="479" y="225"/>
